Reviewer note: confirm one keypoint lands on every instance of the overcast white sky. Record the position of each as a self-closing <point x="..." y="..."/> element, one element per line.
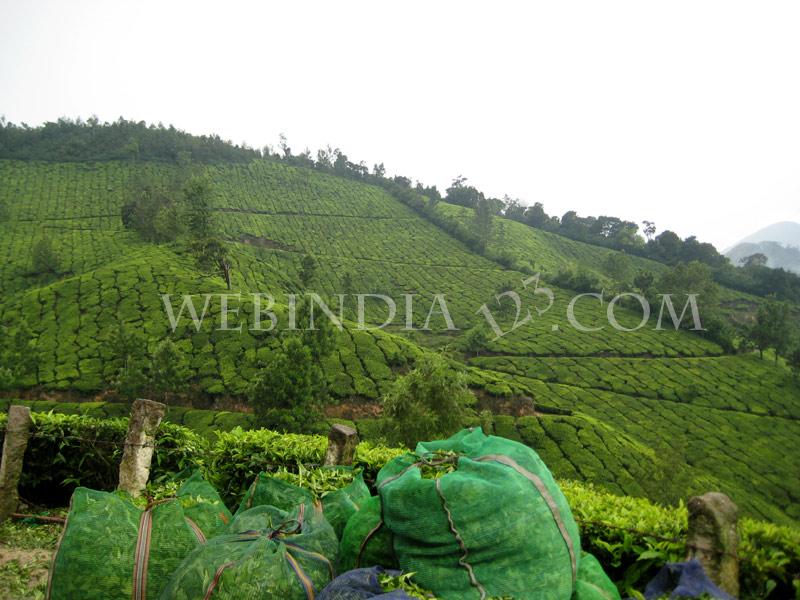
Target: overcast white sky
<point x="685" y="113"/>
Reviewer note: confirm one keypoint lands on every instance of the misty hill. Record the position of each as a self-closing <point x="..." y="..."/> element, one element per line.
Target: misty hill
<point x="663" y="414"/>
<point x="786" y="233"/>
<point x="779" y="243"/>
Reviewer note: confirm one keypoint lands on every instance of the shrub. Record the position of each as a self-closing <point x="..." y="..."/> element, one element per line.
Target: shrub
<point x="431" y="401"/>
<point x="66" y="451"/>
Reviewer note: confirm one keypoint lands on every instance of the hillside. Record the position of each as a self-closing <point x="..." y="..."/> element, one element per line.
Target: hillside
<point x="661" y="414"/>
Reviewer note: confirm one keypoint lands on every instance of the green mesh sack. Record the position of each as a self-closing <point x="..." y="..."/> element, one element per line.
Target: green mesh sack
<point x="202" y="506"/>
<point x="267" y="490"/>
<point x="342" y="504"/>
<point x="291" y="559"/>
<point x="339" y="505"/>
<point x="110" y="548"/>
<point x="366" y="541"/>
<point x="476" y="516"/>
<point x="593" y="583"/>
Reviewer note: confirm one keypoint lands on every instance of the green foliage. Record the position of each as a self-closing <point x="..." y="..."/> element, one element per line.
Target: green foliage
<point x="288" y="392"/>
<point x="404" y="582"/>
<point x="18" y="358"/>
<point x="153" y="209"/>
<point x="308" y="268"/>
<point x="66" y="451"/>
<point x="157" y="374"/>
<point x="197" y="192"/>
<point x="44" y="257"/>
<point x="773" y="327"/>
<point x="431" y="401"/>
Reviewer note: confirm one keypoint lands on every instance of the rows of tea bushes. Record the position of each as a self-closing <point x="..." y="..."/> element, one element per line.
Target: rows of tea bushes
<point x="700" y="448"/>
<point x="632" y="537"/>
<point x="741" y="383"/>
<point x="548" y="252"/>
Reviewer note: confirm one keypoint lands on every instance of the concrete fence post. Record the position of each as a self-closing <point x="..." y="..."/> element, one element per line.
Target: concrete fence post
<point x="134" y="470"/>
<point x="18" y="430"/>
<point x="342" y="442"/>
<point x="713" y="539"/>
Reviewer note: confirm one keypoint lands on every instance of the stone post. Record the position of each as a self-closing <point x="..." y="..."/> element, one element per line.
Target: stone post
<point x="134" y="470"/>
<point x="342" y="442"/>
<point x="18" y="429"/>
<point x="713" y="539"/>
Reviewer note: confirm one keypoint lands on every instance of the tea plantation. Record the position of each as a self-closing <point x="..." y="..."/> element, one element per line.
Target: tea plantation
<point x="661" y="414"/>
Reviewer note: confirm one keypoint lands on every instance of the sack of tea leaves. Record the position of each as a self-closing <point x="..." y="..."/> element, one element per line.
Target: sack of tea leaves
<point x="366" y="541"/>
<point x="593" y="583"/>
<point x="264" y="553"/>
<point x="478" y="516"/>
<point x="111" y="548"/>
<point x="338" y="504"/>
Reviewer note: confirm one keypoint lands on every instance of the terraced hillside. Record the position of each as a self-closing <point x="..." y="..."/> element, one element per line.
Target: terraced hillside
<point x="656" y="413"/>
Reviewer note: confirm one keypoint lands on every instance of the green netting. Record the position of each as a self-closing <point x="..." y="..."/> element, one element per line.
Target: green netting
<point x="342" y="504"/>
<point x="203" y="506"/>
<point x="339" y="505"/>
<point x="476" y="516"/>
<point x="267" y="490"/>
<point x="289" y="558"/>
<point x="113" y="549"/>
<point x="366" y="542"/>
<point x="593" y="583"/>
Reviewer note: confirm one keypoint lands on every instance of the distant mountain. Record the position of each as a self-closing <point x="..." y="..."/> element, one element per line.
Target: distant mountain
<point x="779" y="242"/>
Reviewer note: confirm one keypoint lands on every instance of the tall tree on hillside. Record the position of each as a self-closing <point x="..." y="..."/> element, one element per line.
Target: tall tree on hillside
<point x="649" y="229"/>
<point x="483" y="221"/>
<point x="4" y="210"/>
<point x="212" y="255"/>
<point x="794" y="358"/>
<point x="18" y="358"/>
<point x="617" y="266"/>
<point x="308" y="269"/>
<point x="197" y="192"/>
<point x="44" y="257"/>
<point x="644" y="282"/>
<point x="772" y="328"/>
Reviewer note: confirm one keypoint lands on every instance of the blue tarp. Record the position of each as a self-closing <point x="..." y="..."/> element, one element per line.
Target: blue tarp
<point x="360" y="584"/>
<point x="683" y="580"/>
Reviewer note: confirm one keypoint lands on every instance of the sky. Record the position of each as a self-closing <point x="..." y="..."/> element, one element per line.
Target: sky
<point x="682" y="113"/>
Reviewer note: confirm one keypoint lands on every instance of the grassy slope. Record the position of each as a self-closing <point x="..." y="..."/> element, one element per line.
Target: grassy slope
<point x="653" y="413"/>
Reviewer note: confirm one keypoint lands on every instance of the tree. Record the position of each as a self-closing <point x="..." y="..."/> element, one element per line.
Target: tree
<point x="348" y="287"/>
<point x="754" y="260"/>
<point x="4" y="210"/>
<point x="168" y="370"/>
<point x="429" y="402"/>
<point x="649" y="229"/>
<point x="286" y="394"/>
<point x="212" y="254"/>
<point x="308" y="268"/>
<point x="618" y="268"/>
<point x="476" y="340"/>
<point x="197" y="192"/>
<point x="45" y="259"/>
<point x="461" y="194"/>
<point x="794" y="359"/>
<point x="644" y="281"/>
<point x="18" y="358"/>
<point x="772" y="328"/>
<point x="483" y="221"/>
